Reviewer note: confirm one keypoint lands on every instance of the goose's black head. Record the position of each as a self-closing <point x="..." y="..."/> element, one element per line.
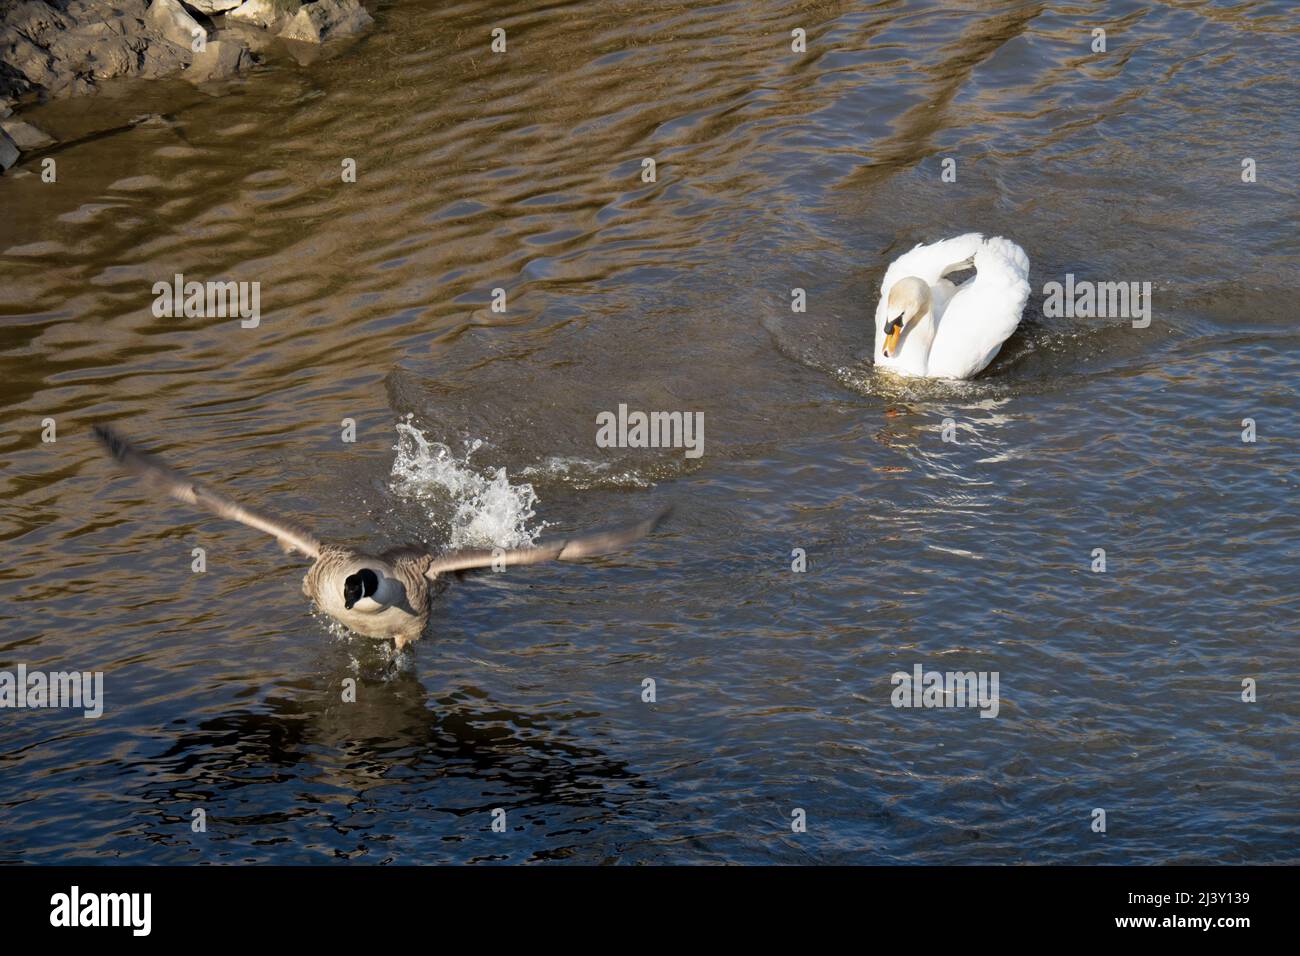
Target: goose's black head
<point x="362" y="584"/>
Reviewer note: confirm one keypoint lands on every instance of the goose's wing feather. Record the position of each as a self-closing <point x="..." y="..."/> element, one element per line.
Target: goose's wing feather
<point x="567" y="549"/>
<point x="984" y="311"/>
<point x="164" y="479"/>
<point x="929" y="263"/>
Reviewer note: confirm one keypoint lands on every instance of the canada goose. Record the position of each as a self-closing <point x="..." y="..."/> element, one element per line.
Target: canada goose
<point x="384" y="596"/>
<point x="928" y="326"/>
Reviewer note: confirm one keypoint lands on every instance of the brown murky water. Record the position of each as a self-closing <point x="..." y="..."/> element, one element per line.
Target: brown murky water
<point x="775" y="170"/>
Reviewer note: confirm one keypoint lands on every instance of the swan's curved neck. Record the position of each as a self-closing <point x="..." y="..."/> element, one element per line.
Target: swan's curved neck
<point x="917" y="341"/>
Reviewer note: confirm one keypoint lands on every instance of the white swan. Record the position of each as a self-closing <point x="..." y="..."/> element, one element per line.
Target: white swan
<point x="927" y="326"/>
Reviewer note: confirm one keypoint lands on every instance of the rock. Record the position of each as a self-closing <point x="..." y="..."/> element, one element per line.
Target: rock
<point x="253" y="37"/>
<point x="12" y="83"/>
<point x="161" y="58"/>
<point x="91" y="10"/>
<point x="82" y="51"/>
<point x="264" y="13"/>
<point x="8" y="151"/>
<point x="36" y="21"/>
<point x="63" y="47"/>
<point x="69" y="84"/>
<point x="87" y="51"/>
<point x="20" y="57"/>
<point x="326" y="19"/>
<point x="218" y="60"/>
<point x="212" y="6"/>
<point x="24" y="135"/>
<point x="32" y="62"/>
<point x="171" y="19"/>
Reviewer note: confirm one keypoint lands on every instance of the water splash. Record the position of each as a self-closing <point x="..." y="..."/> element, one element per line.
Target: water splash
<point x="487" y="510"/>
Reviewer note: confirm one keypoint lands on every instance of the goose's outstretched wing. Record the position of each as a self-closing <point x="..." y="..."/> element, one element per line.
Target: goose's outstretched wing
<point x="164" y="479"/>
<point x="568" y="549"/>
<point x="984" y="311"/>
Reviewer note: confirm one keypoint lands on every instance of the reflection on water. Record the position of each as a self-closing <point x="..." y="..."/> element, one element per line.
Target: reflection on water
<point x="775" y="171"/>
<point x="446" y="764"/>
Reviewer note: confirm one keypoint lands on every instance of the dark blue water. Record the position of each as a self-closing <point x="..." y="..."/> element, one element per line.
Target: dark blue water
<point x="1120" y="691"/>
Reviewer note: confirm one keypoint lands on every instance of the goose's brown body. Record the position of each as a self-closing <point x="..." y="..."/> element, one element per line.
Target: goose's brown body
<point x="403" y="619"/>
<point x="393" y="602"/>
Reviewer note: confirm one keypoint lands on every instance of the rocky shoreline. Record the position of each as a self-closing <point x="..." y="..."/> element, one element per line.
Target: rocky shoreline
<point x="57" y="48"/>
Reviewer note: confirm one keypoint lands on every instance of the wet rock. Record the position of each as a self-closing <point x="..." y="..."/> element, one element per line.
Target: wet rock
<point x="264" y="13"/>
<point x="8" y="151"/>
<point x="161" y="58"/>
<point x="219" y="60"/>
<point x="87" y="50"/>
<point x="173" y="21"/>
<point x="12" y="83"/>
<point x="326" y="19"/>
<point x="25" y="29"/>
<point x="30" y="61"/>
<point x="86" y="11"/>
<point x="24" y="135"/>
<point x="63" y="47"/>
<point x="212" y="6"/>
<point x="97" y="51"/>
<point x="35" y="20"/>
<point x="253" y="37"/>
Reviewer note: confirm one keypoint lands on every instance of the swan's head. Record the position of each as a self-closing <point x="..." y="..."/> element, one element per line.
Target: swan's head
<point x="909" y="299"/>
<point x="358" y="588"/>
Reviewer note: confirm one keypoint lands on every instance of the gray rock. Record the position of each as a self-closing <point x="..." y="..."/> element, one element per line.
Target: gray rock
<point x="218" y="60"/>
<point x="161" y="58"/>
<point x="69" y="84"/>
<point x="8" y="151"/>
<point x="24" y="135"/>
<point x="32" y="61"/>
<point x="82" y="51"/>
<point x="327" y="19"/>
<point x="212" y="6"/>
<point x="253" y="37"/>
<point x="65" y="47"/>
<point x="172" y="20"/>
<point x="85" y="11"/>
<point x="37" y="21"/>
<point x="87" y="51"/>
<point x="264" y="13"/>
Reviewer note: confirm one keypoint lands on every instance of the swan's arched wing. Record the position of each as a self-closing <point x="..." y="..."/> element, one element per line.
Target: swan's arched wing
<point x="984" y="311"/>
<point x="929" y="263"/>
<point x="164" y="479"/>
<point x="569" y="549"/>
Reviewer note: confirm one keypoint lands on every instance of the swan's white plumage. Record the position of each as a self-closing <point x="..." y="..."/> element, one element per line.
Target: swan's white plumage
<point x="971" y="321"/>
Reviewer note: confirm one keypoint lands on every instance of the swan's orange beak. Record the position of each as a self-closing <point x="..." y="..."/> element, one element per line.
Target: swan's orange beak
<point x="893" y="332"/>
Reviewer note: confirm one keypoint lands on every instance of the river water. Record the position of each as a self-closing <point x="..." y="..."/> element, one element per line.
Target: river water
<point x="774" y="170"/>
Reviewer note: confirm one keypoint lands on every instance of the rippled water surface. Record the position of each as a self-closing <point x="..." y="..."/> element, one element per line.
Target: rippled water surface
<point x="775" y="170"/>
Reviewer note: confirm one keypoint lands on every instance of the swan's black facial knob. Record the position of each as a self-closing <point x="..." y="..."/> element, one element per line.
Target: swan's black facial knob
<point x="893" y="329"/>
